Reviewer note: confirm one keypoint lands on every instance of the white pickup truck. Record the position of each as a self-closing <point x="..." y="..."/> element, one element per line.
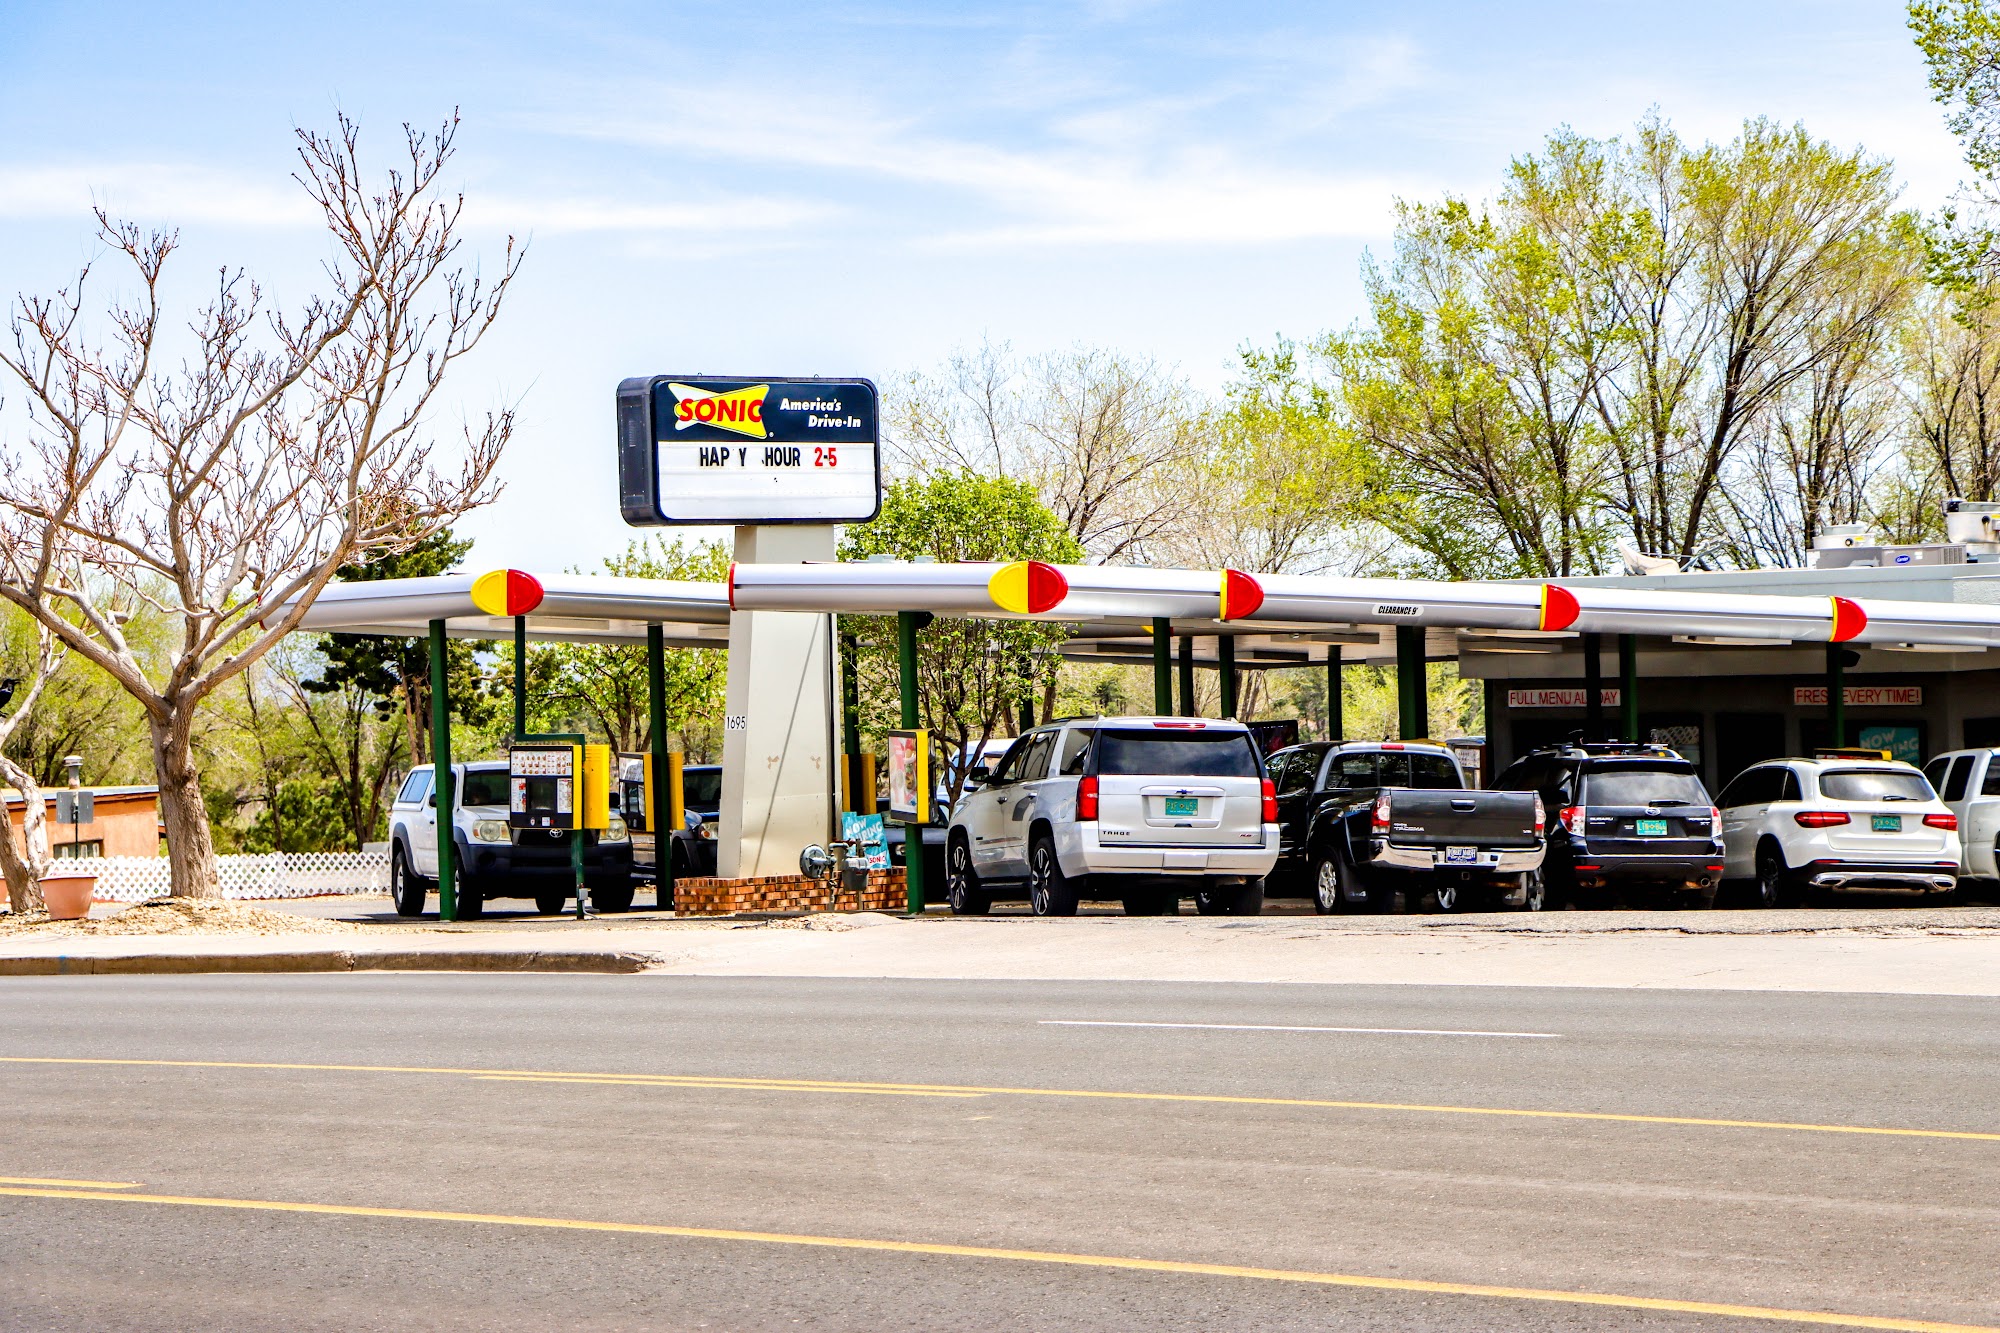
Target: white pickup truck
<point x="1968" y="781"/>
<point x="492" y="860"/>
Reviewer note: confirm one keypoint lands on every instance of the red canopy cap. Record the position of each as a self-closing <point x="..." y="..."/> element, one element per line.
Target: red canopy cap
<point x="1027" y="587"/>
<point x="506" y="592"/>
<point x="1241" y="595"/>
<point x="1848" y="619"/>
<point x="1559" y="608"/>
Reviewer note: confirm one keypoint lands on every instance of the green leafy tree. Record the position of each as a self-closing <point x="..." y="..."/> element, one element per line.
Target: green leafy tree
<point x="301" y="816"/>
<point x="602" y="689"/>
<point x="972" y="675"/>
<point x="395" y="673"/>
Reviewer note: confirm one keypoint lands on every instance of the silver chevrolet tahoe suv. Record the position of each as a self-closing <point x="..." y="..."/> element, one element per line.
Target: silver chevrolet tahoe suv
<point x="1141" y="809"/>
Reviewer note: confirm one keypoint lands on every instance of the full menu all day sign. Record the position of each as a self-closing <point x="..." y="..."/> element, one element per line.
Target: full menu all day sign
<point x="698" y="449"/>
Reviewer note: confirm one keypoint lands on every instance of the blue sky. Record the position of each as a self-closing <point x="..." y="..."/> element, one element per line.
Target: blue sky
<point x="857" y="189"/>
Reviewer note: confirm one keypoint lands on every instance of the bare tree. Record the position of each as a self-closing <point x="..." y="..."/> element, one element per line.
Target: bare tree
<point x="25" y="864"/>
<point x="1105" y="439"/>
<point x="225" y="492"/>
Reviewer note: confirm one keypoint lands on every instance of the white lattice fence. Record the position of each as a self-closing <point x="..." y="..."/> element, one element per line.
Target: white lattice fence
<point x="132" y="879"/>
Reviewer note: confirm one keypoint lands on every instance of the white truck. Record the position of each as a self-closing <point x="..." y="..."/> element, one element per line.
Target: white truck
<point x="1968" y="781"/>
<point x="493" y="860"/>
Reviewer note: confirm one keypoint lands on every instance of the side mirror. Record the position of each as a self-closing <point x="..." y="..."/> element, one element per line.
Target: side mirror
<point x="431" y="800"/>
<point x="978" y="776"/>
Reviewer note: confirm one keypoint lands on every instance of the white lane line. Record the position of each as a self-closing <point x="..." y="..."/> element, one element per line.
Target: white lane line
<point x="1273" y="1027"/>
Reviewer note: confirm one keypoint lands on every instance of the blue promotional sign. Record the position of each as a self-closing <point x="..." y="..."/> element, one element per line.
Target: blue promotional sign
<point x="702" y="449"/>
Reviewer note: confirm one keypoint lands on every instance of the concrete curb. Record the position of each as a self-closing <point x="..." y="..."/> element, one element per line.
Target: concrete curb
<point x="332" y="960"/>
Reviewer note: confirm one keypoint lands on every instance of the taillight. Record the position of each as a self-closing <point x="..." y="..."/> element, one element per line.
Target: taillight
<point x="1541" y="817"/>
<point x="1086" y="798"/>
<point x="1270" y="801"/>
<point x="1941" y="821"/>
<point x="1819" y="818"/>
<point x="1382" y="812"/>
<point x="1572" y="819"/>
<point x="1714" y="816"/>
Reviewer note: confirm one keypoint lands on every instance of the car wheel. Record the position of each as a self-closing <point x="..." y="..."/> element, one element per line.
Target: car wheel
<point x="1247" y="899"/>
<point x="1770" y="889"/>
<point x="1050" y="892"/>
<point x="550" y="902"/>
<point x="406" y="889"/>
<point x="471" y="903"/>
<point x="1534" y="891"/>
<point x="961" y="883"/>
<point x="1326" y="882"/>
<point x="614" y="897"/>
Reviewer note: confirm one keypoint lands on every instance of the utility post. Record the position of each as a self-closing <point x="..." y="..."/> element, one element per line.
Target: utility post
<point x="520" y="676"/>
<point x="913" y="834"/>
<point x="1163" y="670"/>
<point x="1336" y="725"/>
<point x="659" y="799"/>
<point x="1412" y="701"/>
<point x="1836" y="693"/>
<point x="442" y="785"/>
<point x="850" y="724"/>
<point x="1187" y="675"/>
<point x="1225" y="667"/>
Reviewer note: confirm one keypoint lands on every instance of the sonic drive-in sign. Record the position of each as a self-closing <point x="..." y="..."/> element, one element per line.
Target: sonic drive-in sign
<point x="698" y="449"/>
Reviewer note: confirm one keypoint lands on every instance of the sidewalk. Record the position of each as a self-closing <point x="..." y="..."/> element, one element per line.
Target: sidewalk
<point x="1896" y="951"/>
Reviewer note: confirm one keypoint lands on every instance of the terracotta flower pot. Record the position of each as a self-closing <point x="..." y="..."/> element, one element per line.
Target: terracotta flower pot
<point x="68" y="896"/>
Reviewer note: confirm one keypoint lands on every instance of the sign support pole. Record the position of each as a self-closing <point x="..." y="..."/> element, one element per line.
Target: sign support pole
<point x="1336" y="725"/>
<point x="1836" y="693"/>
<point x="913" y="834"/>
<point x="442" y="778"/>
<point x="850" y="727"/>
<point x="658" y="799"/>
<point x="1163" y="671"/>
<point x="1628" y="686"/>
<point x="1225" y="665"/>
<point x="1412" y="705"/>
<point x="1187" y="675"/>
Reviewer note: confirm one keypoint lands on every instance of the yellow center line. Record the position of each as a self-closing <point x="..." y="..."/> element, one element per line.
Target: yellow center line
<point x="722" y="1081"/>
<point x="1591" y="1298"/>
<point x="74" y="1184"/>
<point x="753" y="1086"/>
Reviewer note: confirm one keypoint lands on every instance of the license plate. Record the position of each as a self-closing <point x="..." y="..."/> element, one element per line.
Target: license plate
<point x="1886" y="823"/>
<point x="1652" y="828"/>
<point x="1183" y="805"/>
<point x="1461" y="856"/>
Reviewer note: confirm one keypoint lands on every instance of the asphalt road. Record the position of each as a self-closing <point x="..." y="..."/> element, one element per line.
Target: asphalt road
<point x="912" y="1120"/>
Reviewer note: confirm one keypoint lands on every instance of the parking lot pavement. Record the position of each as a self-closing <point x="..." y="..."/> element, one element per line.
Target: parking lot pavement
<point x="645" y="1152"/>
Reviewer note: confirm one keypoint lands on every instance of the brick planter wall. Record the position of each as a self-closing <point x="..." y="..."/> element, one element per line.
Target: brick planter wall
<point x="886" y="892"/>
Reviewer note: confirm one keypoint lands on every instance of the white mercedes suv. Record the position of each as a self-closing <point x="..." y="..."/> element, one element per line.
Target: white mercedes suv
<point x="1142" y="809"/>
<point x="1799" y="828"/>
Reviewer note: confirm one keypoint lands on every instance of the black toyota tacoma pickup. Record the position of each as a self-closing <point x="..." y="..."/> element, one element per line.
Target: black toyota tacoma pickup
<point x="1359" y="822"/>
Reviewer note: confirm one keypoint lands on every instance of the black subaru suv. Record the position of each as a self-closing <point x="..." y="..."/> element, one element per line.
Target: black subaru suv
<point x="1634" y="822"/>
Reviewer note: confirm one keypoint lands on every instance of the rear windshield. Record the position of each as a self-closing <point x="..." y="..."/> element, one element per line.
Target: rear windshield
<point x="701" y="788"/>
<point x="1643" y="786"/>
<point x="484" y="786"/>
<point x="1215" y="754"/>
<point x="1874" y="784"/>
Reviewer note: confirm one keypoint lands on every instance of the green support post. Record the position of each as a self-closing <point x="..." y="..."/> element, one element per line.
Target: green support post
<point x="520" y="676"/>
<point x="1593" y="687"/>
<point x="1412" y="705"/>
<point x="1836" y="693"/>
<point x="1024" y="712"/>
<point x="442" y="784"/>
<point x="913" y="834"/>
<point x="1187" y="675"/>
<point x="1628" y="687"/>
<point x="657" y="796"/>
<point x="1225" y="666"/>
<point x="1163" y="666"/>
<point x="1336" y="724"/>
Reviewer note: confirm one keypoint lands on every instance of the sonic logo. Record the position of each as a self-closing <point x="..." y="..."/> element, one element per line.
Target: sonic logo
<point x="739" y="410"/>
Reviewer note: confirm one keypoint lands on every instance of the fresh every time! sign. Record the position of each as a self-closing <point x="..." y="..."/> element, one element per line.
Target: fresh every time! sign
<point x="1862" y="696"/>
